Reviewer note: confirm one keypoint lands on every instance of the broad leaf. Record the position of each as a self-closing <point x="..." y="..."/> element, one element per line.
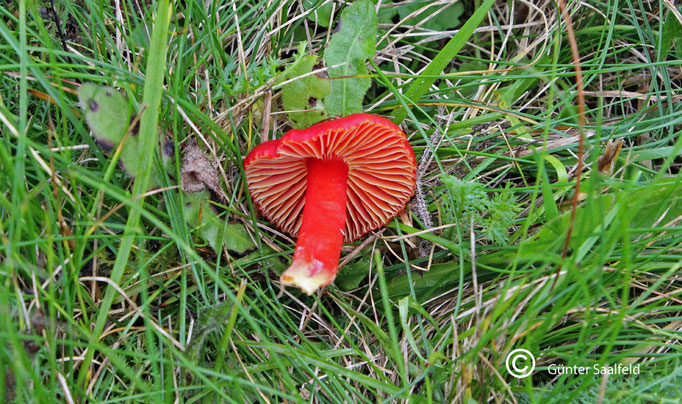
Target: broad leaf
<point x="109" y="115"/>
<point x="322" y="14"/>
<point x="348" y="50"/>
<point x="303" y="96"/>
<point x="200" y="212"/>
<point x="350" y="276"/>
<point x="445" y="19"/>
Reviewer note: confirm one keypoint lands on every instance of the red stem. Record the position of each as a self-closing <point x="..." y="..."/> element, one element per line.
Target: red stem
<point x="581" y="142"/>
<point x="318" y="248"/>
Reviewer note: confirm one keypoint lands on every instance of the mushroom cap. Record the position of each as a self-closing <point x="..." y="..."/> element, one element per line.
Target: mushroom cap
<point x="381" y="171"/>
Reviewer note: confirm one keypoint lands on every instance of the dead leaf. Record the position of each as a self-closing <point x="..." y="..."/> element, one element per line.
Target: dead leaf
<point x="199" y="173"/>
<point x="610" y="155"/>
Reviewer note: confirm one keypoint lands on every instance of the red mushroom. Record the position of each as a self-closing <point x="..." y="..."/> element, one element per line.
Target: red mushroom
<point x="332" y="182"/>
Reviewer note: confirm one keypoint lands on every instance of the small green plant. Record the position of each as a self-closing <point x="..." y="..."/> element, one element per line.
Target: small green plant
<point x="467" y="202"/>
<point x="309" y="97"/>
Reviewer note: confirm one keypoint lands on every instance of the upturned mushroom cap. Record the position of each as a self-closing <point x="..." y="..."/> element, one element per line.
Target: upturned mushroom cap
<point x="381" y="171"/>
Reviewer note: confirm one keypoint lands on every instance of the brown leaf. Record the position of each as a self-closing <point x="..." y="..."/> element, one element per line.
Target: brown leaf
<point x="607" y="159"/>
<point x="199" y="173"/>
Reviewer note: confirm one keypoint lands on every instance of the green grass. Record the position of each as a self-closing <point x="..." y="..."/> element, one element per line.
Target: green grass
<point x="107" y="297"/>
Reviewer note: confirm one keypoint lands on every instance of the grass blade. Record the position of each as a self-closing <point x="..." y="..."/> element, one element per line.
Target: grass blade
<point x="153" y="90"/>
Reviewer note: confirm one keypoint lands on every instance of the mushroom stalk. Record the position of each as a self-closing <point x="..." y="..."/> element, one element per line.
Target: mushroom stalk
<point x="318" y="248"/>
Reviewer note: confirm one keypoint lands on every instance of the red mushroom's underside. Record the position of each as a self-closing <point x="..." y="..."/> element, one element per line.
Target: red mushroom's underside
<point x="369" y="153"/>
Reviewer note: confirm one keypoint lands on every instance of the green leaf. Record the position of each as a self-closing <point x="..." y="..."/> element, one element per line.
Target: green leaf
<point x="349" y="49"/>
<point x="303" y="96"/>
<point x="321" y="14"/>
<point x="237" y="238"/>
<point x="109" y="113"/>
<point x="671" y="32"/>
<point x="404" y="312"/>
<point x="443" y="20"/>
<point x="559" y="167"/>
<point x="467" y="201"/>
<point x="213" y="228"/>
<point x="350" y="276"/>
<point x="440" y="276"/>
<point x="386" y="12"/>
<point x="678" y="48"/>
<point x="657" y="153"/>
<point x="466" y="197"/>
